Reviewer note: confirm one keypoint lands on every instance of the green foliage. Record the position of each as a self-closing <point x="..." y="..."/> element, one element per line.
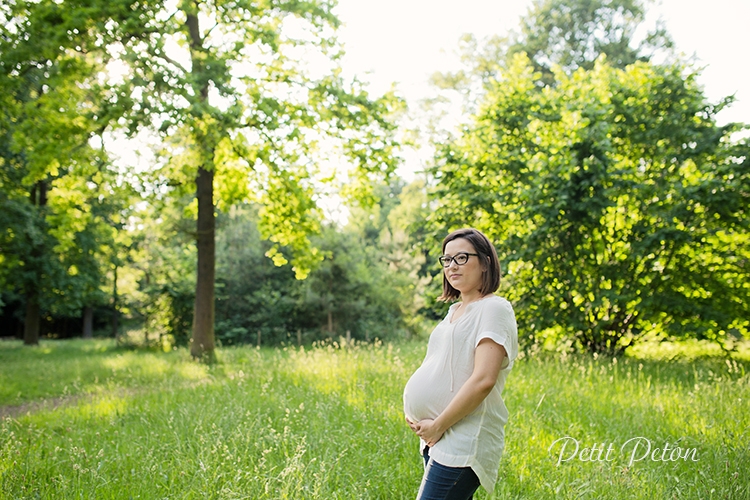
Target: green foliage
<point x="397" y="235"/>
<point x="61" y="201"/>
<point x="253" y="294"/>
<point x="21" y="233"/>
<point x="252" y="102"/>
<point x="350" y="290"/>
<point x="261" y="105"/>
<point x="157" y="273"/>
<point x="327" y="422"/>
<point x="247" y="97"/>
<point x="353" y="289"/>
<point x="618" y="205"/>
<point x="370" y="282"/>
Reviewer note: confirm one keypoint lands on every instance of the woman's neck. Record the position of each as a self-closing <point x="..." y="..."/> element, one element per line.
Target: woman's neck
<point x="469" y="297"/>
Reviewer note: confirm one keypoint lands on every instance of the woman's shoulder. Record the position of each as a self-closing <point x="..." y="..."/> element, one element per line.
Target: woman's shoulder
<point x="496" y="302"/>
<point x="496" y="308"/>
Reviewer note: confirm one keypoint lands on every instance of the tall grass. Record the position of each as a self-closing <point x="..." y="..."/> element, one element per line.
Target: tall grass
<point x="326" y="422"/>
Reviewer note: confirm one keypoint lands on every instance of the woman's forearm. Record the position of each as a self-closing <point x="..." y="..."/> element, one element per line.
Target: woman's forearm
<point x="488" y="358"/>
<point x="468" y="398"/>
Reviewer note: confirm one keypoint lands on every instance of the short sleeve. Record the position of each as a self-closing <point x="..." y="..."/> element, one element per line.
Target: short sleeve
<point x="498" y="323"/>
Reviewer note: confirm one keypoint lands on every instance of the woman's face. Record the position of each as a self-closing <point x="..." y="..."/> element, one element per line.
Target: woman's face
<point x="467" y="277"/>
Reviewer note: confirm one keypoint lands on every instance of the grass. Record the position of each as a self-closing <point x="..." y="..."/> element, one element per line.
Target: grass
<point x="326" y="423"/>
<point x="80" y="367"/>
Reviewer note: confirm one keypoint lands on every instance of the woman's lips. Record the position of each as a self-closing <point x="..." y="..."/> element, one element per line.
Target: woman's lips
<point x="454" y="276"/>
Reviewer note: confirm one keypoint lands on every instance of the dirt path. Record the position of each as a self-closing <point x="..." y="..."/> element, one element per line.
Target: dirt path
<point x="48" y="404"/>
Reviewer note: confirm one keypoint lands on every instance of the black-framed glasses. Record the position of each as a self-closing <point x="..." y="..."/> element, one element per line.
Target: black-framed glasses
<point x="460" y="258"/>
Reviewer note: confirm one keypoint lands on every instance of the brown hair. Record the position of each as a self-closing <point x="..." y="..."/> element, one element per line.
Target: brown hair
<point x="487" y="253"/>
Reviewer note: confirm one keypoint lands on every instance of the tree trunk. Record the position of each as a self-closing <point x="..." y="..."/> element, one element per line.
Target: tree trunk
<point x="88" y="322"/>
<point x="115" y="314"/>
<point x="202" y="346"/>
<point x="31" y="324"/>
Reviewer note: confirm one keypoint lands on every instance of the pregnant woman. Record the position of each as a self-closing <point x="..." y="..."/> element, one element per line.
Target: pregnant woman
<point x="453" y="402"/>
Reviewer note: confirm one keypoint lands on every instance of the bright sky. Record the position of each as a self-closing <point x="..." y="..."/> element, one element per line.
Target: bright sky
<point x="405" y="41"/>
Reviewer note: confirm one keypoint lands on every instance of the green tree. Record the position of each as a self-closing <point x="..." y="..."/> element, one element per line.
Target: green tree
<point x="618" y="204"/>
<point x="56" y="187"/>
<point x="238" y="89"/>
<point x="574" y="34"/>
<point x="569" y="34"/>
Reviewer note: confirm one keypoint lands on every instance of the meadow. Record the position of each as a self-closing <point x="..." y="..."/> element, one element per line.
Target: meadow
<point x="89" y="419"/>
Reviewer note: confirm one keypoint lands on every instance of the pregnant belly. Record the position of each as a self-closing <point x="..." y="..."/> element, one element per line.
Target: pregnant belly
<point x="426" y="394"/>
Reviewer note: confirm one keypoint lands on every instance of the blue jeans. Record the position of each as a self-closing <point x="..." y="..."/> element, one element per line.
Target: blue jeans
<point x="446" y="483"/>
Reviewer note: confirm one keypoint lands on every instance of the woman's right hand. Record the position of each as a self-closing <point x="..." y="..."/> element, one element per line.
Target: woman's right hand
<point x="426" y="430"/>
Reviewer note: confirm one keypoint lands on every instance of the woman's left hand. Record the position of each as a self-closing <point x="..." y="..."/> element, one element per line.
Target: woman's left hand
<point x="427" y="430"/>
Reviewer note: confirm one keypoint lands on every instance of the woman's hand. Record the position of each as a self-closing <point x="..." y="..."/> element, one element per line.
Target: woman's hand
<point x="427" y="430"/>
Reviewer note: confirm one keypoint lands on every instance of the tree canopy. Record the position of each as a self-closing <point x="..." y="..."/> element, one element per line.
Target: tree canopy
<point x="618" y="204"/>
<point x="60" y="195"/>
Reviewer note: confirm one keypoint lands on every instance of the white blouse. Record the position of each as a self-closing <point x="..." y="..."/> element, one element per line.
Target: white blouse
<point x="477" y="440"/>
